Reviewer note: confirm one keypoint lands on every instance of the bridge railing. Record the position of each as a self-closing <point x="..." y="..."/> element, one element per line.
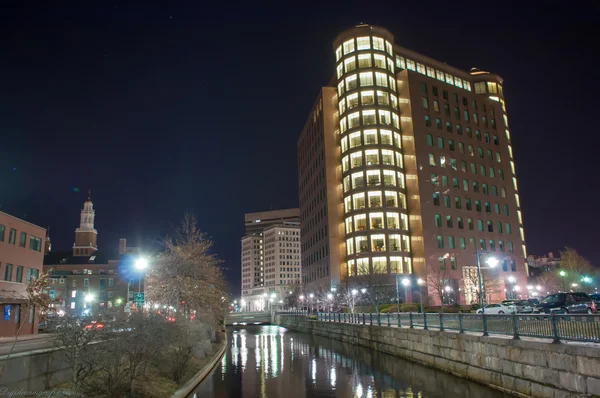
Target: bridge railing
<point x="583" y="328"/>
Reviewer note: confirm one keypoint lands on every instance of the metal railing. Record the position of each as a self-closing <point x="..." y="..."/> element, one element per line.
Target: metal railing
<point x="584" y="328"/>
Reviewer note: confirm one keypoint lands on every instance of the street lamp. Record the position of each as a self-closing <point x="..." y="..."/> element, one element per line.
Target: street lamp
<point x="420" y="282"/>
<point x="312" y="308"/>
<point x="89" y="298"/>
<point x="363" y="290"/>
<point x="354" y="292"/>
<point x="141" y="264"/>
<point x="563" y="274"/>
<point x="405" y="283"/>
<point x="491" y="262"/>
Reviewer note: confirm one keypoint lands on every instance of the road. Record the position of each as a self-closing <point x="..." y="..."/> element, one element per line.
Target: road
<point x="26" y="343"/>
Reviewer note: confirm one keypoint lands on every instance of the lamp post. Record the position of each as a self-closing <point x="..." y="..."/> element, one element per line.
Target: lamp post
<point x="406" y="284"/>
<point x="312" y="308"/>
<point x="586" y="281"/>
<point x="420" y="282"/>
<point x="141" y="264"/>
<point x="492" y="262"/>
<point x="563" y="274"/>
<point x="329" y="297"/>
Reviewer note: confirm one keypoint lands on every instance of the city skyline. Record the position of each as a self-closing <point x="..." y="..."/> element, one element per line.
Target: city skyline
<point x="116" y="139"/>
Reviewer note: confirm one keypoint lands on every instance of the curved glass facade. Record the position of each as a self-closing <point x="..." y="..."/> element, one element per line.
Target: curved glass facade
<point x="373" y="177"/>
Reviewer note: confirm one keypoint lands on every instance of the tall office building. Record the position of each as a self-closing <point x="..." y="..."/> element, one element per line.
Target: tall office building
<point x="406" y="167"/>
<point x="271" y="259"/>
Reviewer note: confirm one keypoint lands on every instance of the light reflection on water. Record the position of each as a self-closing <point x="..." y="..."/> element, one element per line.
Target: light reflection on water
<point x="271" y="362"/>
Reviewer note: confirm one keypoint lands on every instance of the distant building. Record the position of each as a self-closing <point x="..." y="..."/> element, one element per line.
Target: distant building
<point x="21" y="258"/>
<point x="540" y="264"/>
<point x="271" y="258"/>
<point x="85" y="279"/>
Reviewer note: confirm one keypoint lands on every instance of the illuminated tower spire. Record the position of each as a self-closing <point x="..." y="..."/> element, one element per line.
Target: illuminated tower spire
<point x="86" y="235"/>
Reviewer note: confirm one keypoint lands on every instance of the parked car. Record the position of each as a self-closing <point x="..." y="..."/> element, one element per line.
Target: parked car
<point x="499" y="309"/>
<point x="533" y="301"/>
<point x="567" y="303"/>
<point x="523" y="306"/>
<point x="596" y="298"/>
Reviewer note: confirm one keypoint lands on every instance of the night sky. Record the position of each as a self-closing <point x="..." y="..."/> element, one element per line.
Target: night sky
<point x="162" y="108"/>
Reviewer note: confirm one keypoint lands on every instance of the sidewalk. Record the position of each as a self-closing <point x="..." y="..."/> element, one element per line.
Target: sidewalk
<point x="6" y="340"/>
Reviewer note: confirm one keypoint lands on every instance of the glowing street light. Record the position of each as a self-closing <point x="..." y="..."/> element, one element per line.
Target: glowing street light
<point x="301" y="297"/>
<point x="405" y="282"/>
<point x="563" y="274"/>
<point x="492" y="261"/>
<point x="448" y="289"/>
<point x="119" y="301"/>
<point x="363" y="290"/>
<point x="273" y="295"/>
<point x="354" y="292"/>
<point x="329" y="296"/>
<point x="538" y="288"/>
<point x="141" y="263"/>
<point x="511" y="279"/>
<point x="89" y="298"/>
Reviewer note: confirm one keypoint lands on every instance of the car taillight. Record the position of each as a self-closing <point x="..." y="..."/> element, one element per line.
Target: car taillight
<point x="593" y="306"/>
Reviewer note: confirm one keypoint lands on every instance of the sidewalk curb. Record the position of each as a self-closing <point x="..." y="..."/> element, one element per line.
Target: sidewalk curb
<point x="192" y="383"/>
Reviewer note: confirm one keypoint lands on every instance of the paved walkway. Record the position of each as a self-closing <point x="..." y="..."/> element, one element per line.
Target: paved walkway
<point x="26" y="343"/>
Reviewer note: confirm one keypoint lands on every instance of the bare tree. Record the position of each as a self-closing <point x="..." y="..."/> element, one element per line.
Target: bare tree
<point x="188" y="275"/>
<point x="349" y="297"/>
<point x="490" y="282"/>
<point x="437" y="280"/>
<point x="292" y="294"/>
<point x="75" y="341"/>
<point x="550" y="281"/>
<point x="35" y="300"/>
<point x="373" y="281"/>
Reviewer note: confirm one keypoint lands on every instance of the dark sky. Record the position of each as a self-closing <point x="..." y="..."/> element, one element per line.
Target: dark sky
<point x="167" y="107"/>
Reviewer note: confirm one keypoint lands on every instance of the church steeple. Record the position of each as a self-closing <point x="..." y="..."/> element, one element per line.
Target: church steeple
<point x="85" y="235"/>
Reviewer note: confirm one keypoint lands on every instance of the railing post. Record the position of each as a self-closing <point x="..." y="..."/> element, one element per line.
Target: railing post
<point x="485" y="329"/>
<point x="344" y="317"/>
<point x="424" y="321"/>
<point x="363" y="318"/>
<point x="399" y="325"/>
<point x="410" y="317"/>
<point x="515" y="322"/>
<point x="339" y="317"/>
<point x="389" y="324"/>
<point x="378" y="319"/>
<point x="441" y="322"/>
<point x="556" y="339"/>
<point x="461" y="328"/>
<point x="371" y="318"/>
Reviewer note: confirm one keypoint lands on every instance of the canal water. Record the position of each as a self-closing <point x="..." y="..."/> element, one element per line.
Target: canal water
<point x="273" y="362"/>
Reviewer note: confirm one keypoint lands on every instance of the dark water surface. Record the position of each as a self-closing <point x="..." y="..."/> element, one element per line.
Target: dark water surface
<point x="273" y="362"/>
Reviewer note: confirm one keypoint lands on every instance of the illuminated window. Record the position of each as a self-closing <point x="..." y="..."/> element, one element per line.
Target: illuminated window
<point x="351" y="268"/>
<point x="362" y="246"/>
<point x="348" y="225"/>
<point x="385" y="117"/>
<point x="401" y="182"/>
<point x="386" y="137"/>
<point x="351" y="82"/>
<point x="369" y="117"/>
<point x="399" y="161"/>
<point x="393" y="220"/>
<point x="421" y="69"/>
<point x="378" y="243"/>
<point x="353" y="120"/>
<point x="366" y="79"/>
<point x="341" y="88"/>
<point x="367" y="98"/>
<point x="389" y="178"/>
<point x="363" y="43"/>
<point x="343" y="125"/>
<point x="439" y="75"/>
<point x="360" y="222"/>
<point x="498" y="157"/>
<point x="388" y="47"/>
<point x="400" y="62"/>
<point x="425" y="102"/>
<point x="517" y="200"/>
<point x="340" y="70"/>
<point x="458" y="82"/>
<point x="355" y="139"/>
<point x="375" y="199"/>
<point x="395" y="264"/>
<point x="378" y="43"/>
<point x="364" y="60"/>
<point x="347" y="204"/>
<point x="390" y="65"/>
<point x="402" y="199"/>
<point x="348" y="46"/>
<point x="429" y="140"/>
<point x="346" y="183"/>
<point x="515" y="184"/>
<point x="440" y="242"/>
<point x="358" y="200"/>
<point x="451" y="244"/>
<point x="430" y="72"/>
<point x="350" y="64"/>
<point x="342" y="106"/>
<point x="345" y="164"/>
<point x="338" y="53"/>
<point x="383" y="98"/>
<point x="350" y="246"/>
<point x="394" y="101"/>
<point x="372" y="157"/>
<point x="379" y="61"/>
<point x="358" y="180"/>
<point x="381" y="79"/>
<point x="492" y="88"/>
<point x="373" y="178"/>
<point x="370" y="137"/>
<point x="449" y="78"/>
<point x="390" y="199"/>
<point x="376" y="220"/>
<point x="387" y="157"/>
<point x="480" y="88"/>
<point x="394" y="242"/>
<point x="356" y="159"/>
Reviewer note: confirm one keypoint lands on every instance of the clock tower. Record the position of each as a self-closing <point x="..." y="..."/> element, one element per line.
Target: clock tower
<point x="86" y="235"/>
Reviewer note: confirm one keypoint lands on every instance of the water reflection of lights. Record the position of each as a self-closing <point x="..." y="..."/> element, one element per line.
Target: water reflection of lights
<point x="369" y="392"/>
<point x="243" y="350"/>
<point x="332" y="376"/>
<point x="359" y="390"/>
<point x="257" y="351"/>
<point x="314" y="371"/>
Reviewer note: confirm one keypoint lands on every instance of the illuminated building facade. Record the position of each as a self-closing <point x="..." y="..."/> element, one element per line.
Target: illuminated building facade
<point x="406" y="168"/>
<point x="271" y="259"/>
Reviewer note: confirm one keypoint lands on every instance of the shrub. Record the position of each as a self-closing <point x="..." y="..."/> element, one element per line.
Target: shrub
<point x="312" y="317"/>
<point x="409" y="308"/>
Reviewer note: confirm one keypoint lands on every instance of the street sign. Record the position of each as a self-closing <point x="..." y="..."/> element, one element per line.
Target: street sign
<point x="6" y="312"/>
<point x="138" y="300"/>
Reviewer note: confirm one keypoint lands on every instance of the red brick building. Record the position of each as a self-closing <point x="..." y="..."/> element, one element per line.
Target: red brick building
<point x="21" y="259"/>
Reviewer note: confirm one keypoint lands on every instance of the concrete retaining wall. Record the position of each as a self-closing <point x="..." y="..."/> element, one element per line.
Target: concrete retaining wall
<point x="525" y="368"/>
<point x="35" y="371"/>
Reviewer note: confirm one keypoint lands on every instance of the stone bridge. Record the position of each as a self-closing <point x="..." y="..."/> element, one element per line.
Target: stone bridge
<point x="248" y="318"/>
